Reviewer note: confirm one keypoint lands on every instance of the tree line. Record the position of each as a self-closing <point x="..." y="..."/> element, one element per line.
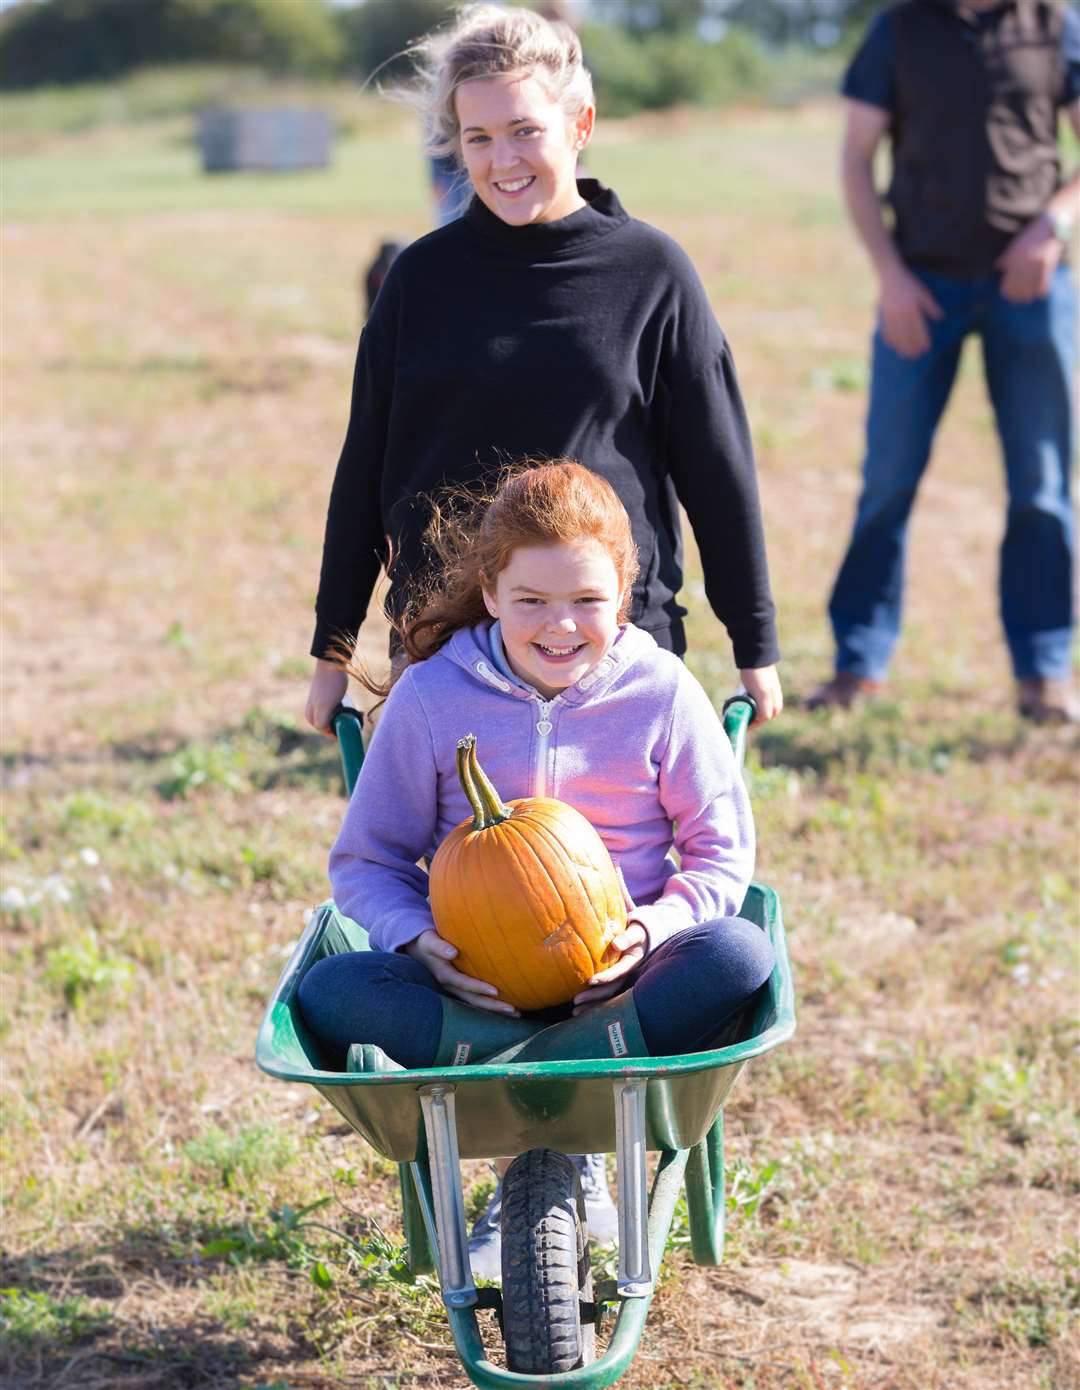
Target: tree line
<point x="644" y="53"/>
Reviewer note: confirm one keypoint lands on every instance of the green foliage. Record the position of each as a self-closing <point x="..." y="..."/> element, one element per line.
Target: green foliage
<point x="96" y="818"/>
<point x="65" y="41"/>
<point x="84" y="970"/>
<point x="238" y="1159"/>
<point x="280" y="1236"/>
<point x="34" y="1319"/>
<point x="377" y="36"/>
<point x="1035" y="1312"/>
<point x="666" y="69"/>
<point x="205" y="765"/>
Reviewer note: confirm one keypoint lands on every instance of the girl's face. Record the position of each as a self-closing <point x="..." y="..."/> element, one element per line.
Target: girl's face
<point x="520" y="149"/>
<point x="558" y="606"/>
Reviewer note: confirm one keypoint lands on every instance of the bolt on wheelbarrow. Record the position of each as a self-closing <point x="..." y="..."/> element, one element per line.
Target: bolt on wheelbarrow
<point x="428" y="1119"/>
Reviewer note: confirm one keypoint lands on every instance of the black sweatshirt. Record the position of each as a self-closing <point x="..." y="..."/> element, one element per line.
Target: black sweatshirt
<point x="589" y="338"/>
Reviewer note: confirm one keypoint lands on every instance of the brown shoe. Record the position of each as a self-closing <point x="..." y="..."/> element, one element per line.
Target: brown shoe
<point x="844" y="690"/>
<point x="1047" y="701"/>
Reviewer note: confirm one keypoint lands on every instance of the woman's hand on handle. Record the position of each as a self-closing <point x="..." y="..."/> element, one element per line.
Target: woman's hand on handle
<point x="605" y="984"/>
<point x="328" y="687"/>
<point x="762" y="684"/>
<point x="432" y="951"/>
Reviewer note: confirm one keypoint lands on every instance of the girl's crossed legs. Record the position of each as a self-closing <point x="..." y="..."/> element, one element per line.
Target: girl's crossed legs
<point x="685" y="992"/>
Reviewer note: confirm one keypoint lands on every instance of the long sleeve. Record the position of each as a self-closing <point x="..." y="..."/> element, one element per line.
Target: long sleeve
<point x="712" y="466"/>
<point x="702" y="793"/>
<point x="354" y="548"/>
<point x="390" y="825"/>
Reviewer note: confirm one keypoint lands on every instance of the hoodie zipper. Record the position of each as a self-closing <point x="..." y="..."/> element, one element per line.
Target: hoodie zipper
<point x="544" y="727"/>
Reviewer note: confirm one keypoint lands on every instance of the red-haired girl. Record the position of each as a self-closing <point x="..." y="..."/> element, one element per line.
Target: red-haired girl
<point x="524" y="640"/>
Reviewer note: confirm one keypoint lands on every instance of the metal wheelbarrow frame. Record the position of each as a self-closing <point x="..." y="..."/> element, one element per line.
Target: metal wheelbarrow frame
<point x="428" y="1119"/>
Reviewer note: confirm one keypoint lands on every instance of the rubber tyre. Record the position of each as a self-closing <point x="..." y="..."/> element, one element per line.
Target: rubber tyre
<point x="545" y="1266"/>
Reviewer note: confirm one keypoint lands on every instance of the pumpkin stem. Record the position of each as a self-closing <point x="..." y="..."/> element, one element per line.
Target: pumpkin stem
<point x="468" y="786"/>
<point x="487" y="806"/>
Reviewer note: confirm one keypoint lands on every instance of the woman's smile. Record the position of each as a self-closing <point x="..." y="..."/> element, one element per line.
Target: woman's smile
<point x="512" y="186"/>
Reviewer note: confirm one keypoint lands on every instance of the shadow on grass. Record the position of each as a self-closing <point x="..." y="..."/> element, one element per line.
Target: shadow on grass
<point x="260" y="753"/>
<point x="60" y="1327"/>
<point x="884" y="738"/>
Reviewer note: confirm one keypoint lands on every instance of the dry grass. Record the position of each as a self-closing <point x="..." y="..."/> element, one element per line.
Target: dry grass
<point x="176" y="380"/>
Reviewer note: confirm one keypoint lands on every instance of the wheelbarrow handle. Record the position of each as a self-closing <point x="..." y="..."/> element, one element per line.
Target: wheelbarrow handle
<point x="347" y="723"/>
<point x="739" y="713"/>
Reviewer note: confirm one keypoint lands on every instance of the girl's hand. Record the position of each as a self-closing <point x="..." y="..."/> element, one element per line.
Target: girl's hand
<point x="328" y="687"/>
<point x="432" y="951"/>
<point x="762" y="684"/>
<point x="604" y="984"/>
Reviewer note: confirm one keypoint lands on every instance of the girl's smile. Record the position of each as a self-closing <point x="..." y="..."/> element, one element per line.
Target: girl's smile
<point x="558" y="611"/>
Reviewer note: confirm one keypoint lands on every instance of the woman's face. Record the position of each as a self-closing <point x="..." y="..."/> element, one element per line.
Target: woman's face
<point x="520" y="149"/>
<point x="558" y="610"/>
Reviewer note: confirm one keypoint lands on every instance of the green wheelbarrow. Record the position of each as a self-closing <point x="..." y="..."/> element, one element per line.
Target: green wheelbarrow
<point x="427" y="1120"/>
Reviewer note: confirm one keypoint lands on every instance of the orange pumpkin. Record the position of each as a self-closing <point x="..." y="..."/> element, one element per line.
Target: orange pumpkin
<point x="527" y="892"/>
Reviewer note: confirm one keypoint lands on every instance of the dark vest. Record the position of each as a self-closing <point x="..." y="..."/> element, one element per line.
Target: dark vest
<point x="974" y="129"/>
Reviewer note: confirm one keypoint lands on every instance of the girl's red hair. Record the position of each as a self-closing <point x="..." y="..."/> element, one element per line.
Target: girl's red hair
<point x="472" y="535"/>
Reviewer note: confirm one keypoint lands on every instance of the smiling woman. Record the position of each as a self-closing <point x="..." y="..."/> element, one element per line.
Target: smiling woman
<point x="546" y="322"/>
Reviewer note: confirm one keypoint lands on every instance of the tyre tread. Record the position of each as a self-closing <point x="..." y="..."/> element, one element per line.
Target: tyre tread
<point x="544" y="1264"/>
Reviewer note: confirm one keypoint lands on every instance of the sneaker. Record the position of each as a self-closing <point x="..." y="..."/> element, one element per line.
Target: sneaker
<point x="843" y="691"/>
<point x="485" y="1240"/>
<point x="1046" y="701"/>
<point x="601" y="1214"/>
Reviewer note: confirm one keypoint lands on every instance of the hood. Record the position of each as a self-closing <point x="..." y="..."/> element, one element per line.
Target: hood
<point x="470" y="648"/>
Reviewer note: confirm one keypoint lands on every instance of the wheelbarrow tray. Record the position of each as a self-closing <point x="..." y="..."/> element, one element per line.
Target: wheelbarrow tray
<point x="508" y="1108"/>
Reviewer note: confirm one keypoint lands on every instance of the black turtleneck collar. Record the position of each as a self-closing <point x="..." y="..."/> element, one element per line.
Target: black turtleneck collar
<point x="602" y="213"/>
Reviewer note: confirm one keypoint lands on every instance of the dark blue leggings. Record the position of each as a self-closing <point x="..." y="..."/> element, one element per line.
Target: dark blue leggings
<point x="684" y="992"/>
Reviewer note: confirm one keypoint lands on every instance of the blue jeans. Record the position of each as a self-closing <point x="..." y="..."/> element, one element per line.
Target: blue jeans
<point x="1030" y="358"/>
<point x="684" y="992"/>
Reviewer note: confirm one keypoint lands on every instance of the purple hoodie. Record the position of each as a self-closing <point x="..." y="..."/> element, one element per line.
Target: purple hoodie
<point x="635" y="746"/>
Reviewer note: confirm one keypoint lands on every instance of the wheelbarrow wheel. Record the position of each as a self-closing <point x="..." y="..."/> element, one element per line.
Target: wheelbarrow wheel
<point x="545" y="1266"/>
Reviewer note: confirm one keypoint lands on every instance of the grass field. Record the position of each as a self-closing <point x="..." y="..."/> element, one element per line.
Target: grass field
<point x="177" y="355"/>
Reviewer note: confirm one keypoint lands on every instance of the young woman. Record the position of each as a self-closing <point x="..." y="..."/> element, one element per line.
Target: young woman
<point x="525" y="640"/>
<point x="544" y="322"/>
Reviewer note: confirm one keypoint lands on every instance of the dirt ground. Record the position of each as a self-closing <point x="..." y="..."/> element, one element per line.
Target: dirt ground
<point x="902" y="1175"/>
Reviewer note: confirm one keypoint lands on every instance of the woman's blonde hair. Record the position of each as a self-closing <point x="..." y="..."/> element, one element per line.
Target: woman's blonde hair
<point x="488" y="41"/>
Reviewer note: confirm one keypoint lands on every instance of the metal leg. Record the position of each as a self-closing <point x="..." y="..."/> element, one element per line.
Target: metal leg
<point x="635" y="1275"/>
<point x="455" y="1275"/>
<point x="705" y="1196"/>
<point x="412" y="1220"/>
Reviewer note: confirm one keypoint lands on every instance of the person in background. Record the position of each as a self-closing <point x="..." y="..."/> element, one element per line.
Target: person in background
<point x="968" y="95"/>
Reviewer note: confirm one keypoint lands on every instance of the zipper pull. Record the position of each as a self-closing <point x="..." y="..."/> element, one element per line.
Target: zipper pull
<point x="545" y="725"/>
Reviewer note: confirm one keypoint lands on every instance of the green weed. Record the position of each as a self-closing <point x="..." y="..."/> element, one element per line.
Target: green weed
<point x="1033" y="1311"/>
<point x="29" y="1318"/>
<point x="84" y="970"/>
<point x="206" y="766"/>
<point x="240" y="1158"/>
